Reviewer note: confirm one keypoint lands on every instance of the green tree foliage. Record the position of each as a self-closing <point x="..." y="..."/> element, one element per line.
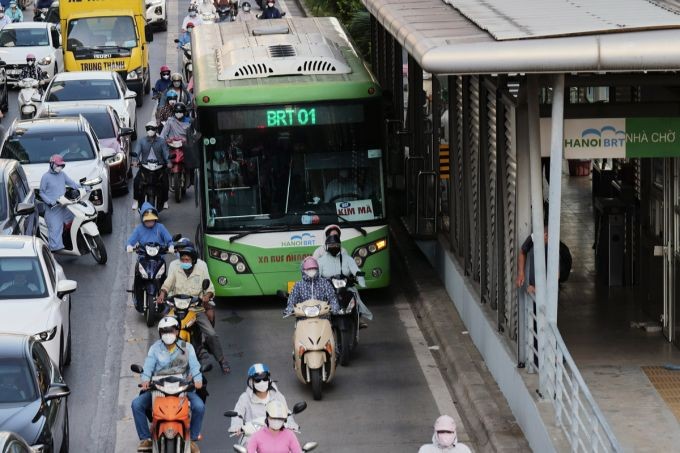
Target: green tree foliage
<point x="353" y="16"/>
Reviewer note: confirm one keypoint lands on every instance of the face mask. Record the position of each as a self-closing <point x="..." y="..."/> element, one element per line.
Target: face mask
<point x="176" y="83"/>
<point x="271" y="5"/>
<point x="261" y="386"/>
<point x="151" y="133"/>
<point x="334" y="251"/>
<point x="186" y="266"/>
<point x="275" y="424"/>
<point x="30" y="62"/>
<point x="172" y="101"/>
<point x="168" y="338"/>
<point x="311" y="273"/>
<point x="149" y="223"/>
<point x="166" y="76"/>
<point x="179" y="115"/>
<point x="192" y="14"/>
<point x="58" y="169"/>
<point x="446" y="439"/>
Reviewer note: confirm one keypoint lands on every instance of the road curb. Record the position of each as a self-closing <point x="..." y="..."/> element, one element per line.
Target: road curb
<point x="481" y="404"/>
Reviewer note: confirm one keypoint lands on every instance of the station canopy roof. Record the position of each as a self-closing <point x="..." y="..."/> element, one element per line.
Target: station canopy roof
<point x="535" y="36"/>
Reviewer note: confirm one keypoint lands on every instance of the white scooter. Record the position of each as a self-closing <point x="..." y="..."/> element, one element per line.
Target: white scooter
<point x="30" y="88"/>
<point x="81" y="235"/>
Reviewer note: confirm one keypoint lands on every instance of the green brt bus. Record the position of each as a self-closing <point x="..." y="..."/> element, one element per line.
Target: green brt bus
<point x="290" y="122"/>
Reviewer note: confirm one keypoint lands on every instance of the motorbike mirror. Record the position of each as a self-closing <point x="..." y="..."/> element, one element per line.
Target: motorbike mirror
<point x="176" y="40"/>
<point x="299" y="407"/>
<point x="176" y="237"/>
<point x="207" y="367"/>
<point x="240" y="448"/>
<point x="206" y="284"/>
<point x="231" y="414"/>
<point x="283" y="15"/>
<point x="309" y="446"/>
<point x="282" y="294"/>
<point x="36" y="98"/>
<point x="136" y="368"/>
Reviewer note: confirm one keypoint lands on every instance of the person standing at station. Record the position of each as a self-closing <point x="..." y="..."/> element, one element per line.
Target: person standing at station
<point x="445" y="438"/>
<point x="525" y="250"/>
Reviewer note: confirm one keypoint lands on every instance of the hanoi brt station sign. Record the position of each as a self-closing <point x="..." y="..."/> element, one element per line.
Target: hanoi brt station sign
<point x="600" y="138"/>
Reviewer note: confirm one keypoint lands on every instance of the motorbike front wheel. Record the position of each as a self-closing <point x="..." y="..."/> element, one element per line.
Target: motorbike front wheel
<point x="98" y="249"/>
<point x="177" y="186"/>
<point x="170" y="445"/>
<point x="315" y="378"/>
<point x="149" y="310"/>
<point x="345" y="340"/>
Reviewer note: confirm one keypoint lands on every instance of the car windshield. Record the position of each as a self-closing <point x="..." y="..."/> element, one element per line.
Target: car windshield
<point x="24" y="37"/>
<point x="81" y="90"/>
<point x="101" y="32"/>
<point x="37" y="148"/>
<point x="21" y="278"/>
<point x="16" y="382"/>
<point x="101" y="123"/>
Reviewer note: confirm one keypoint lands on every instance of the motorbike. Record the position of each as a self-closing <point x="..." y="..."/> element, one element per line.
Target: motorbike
<point x="314" y="361"/>
<point x="40" y="14"/>
<point x="150" y="273"/>
<point x="228" y="13"/>
<point x="152" y="174"/>
<point x="29" y="88"/>
<point x="253" y="426"/>
<point x="81" y="235"/>
<point x="170" y="411"/>
<point x="179" y="174"/>
<point x="186" y="60"/>
<point x="186" y="308"/>
<point x="346" y="321"/>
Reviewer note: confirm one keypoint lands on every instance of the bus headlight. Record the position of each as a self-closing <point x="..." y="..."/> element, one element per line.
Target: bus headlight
<point x="234" y="259"/>
<point x="361" y="253"/>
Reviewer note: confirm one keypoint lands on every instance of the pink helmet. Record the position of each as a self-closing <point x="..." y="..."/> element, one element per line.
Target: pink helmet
<point x="309" y="263"/>
<point x="30" y="56"/>
<point x="57" y="160"/>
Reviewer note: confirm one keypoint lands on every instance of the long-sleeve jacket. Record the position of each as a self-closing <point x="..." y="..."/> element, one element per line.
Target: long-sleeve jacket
<point x="161" y="85"/>
<point x="53" y="185"/>
<point x="145" y="144"/>
<point x="312" y="288"/>
<point x="175" y="128"/>
<point x="342" y="264"/>
<point x="143" y="235"/>
<point x="251" y="407"/>
<point x="271" y="13"/>
<point x="32" y="72"/>
<point x="15" y="14"/>
<point x="184" y="38"/>
<point x="178" y="282"/>
<point x="182" y="360"/>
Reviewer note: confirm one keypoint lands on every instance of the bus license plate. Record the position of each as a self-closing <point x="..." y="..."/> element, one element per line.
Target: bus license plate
<point x="290" y="287"/>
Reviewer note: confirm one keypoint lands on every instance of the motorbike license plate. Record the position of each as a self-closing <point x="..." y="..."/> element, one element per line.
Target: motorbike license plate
<point x="14" y="71"/>
<point x="290" y="286"/>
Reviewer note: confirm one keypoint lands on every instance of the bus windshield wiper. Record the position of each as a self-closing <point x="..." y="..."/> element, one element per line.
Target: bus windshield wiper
<point x="356" y="227"/>
<point x="259" y="229"/>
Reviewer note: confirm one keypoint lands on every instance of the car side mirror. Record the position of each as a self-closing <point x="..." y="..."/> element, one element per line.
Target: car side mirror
<point x="136" y="368"/>
<point x="24" y="208"/>
<point x="107" y="152"/>
<point x="65" y="287"/>
<point x="124" y="131"/>
<point x="129" y="94"/>
<point x="148" y="33"/>
<point x="57" y="391"/>
<point x="299" y="407"/>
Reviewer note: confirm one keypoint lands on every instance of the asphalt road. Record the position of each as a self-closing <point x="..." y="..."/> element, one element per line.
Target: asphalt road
<point x="386" y="401"/>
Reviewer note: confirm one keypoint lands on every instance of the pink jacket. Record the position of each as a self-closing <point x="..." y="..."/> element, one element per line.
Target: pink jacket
<point x="268" y="441"/>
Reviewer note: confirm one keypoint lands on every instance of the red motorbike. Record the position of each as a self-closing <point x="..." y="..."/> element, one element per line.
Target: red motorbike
<point x="179" y="174"/>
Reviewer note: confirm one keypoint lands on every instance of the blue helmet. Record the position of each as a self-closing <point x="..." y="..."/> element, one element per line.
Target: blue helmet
<point x="258" y="370"/>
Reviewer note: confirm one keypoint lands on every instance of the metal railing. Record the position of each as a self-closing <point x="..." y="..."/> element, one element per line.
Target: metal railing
<point x="576" y="411"/>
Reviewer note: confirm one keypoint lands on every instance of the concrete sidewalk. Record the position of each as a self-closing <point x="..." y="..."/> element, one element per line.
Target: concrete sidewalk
<point x="479" y="401"/>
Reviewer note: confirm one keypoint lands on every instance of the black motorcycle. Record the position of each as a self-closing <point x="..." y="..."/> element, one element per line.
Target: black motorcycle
<point x="153" y="180"/>
<point x="346" y="321"/>
<point x="227" y="13"/>
<point x="150" y="273"/>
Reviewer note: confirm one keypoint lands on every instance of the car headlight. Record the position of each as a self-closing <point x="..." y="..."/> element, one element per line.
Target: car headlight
<point x="47" y="335"/>
<point x="93" y="181"/>
<point x="135" y="74"/>
<point x="151" y="251"/>
<point x="161" y="271"/>
<point x="28" y="108"/>
<point x="313" y="311"/>
<point x="183" y="303"/>
<point x="118" y="158"/>
<point x="142" y="272"/>
<point x="45" y="61"/>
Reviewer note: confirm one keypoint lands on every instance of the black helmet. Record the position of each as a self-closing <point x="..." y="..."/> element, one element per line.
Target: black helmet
<point x="333" y="244"/>
<point x="179" y="108"/>
<point x="187" y="248"/>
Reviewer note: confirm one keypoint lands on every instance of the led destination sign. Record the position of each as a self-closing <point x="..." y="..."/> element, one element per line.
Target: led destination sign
<point x="289" y="116"/>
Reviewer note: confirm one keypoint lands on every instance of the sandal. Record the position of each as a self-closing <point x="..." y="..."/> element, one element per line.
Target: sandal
<point x="226" y="369"/>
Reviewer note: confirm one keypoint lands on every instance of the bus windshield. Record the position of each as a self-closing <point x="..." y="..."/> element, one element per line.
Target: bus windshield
<point x="292" y="165"/>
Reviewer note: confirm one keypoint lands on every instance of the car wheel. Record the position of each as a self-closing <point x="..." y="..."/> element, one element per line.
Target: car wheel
<point x="139" y="99"/>
<point x="134" y="130"/>
<point x="4" y="105"/>
<point x="164" y="25"/>
<point x="147" y="84"/>
<point x="67" y="358"/>
<point x="65" y="434"/>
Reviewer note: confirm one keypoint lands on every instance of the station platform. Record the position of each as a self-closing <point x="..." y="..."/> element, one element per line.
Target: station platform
<point x="615" y="359"/>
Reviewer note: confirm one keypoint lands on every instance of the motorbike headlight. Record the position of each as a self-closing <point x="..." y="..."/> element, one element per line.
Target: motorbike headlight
<point x="341" y="311"/>
<point x="28" y="108"/>
<point x="182" y="303"/>
<point x="151" y="250"/>
<point x="161" y="271"/>
<point x="142" y="272"/>
<point x="45" y="61"/>
<point x="313" y="311"/>
<point x="93" y="181"/>
<point x="339" y="283"/>
<point x="115" y="159"/>
<point x="46" y="335"/>
<point x="134" y="74"/>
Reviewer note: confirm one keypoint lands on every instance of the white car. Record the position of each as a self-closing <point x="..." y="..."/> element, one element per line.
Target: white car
<point x="34" y="295"/>
<point x="32" y="142"/>
<point x="156" y="14"/>
<point x="68" y="89"/>
<point x="42" y="39"/>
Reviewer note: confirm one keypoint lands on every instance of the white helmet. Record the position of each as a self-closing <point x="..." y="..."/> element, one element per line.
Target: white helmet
<point x="276" y="409"/>
<point x="167" y="322"/>
<point x="151" y="124"/>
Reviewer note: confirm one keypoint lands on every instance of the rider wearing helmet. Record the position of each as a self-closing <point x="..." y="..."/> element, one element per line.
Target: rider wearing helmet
<point x="245" y="7"/>
<point x="271" y="11"/>
<point x="185" y="38"/>
<point x="178" y="123"/>
<point x="164" y="112"/>
<point x="274" y="437"/>
<point x="192" y="16"/>
<point x="149" y="230"/>
<point x="177" y="84"/>
<point x="444" y="439"/>
<point x="185" y="276"/>
<point x="328" y="231"/>
<point x="163" y="83"/>
<point x="260" y="390"/>
<point x="14" y="12"/>
<point x="52" y="186"/>
<point x="150" y="148"/>
<point x="31" y="70"/>
<point x="168" y="356"/>
<point x="312" y="286"/>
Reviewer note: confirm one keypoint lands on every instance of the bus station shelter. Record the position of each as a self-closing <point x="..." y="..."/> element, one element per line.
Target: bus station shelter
<point x="486" y="102"/>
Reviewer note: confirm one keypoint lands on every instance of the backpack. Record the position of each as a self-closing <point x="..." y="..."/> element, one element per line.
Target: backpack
<point x="565" y="262"/>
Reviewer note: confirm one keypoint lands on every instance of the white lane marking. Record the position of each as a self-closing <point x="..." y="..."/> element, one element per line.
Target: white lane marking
<point x="433" y="376"/>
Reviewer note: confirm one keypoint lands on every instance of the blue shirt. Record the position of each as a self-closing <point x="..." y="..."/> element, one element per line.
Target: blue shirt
<point x="184" y="39"/>
<point x="160" y="358"/>
<point x="53" y="185"/>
